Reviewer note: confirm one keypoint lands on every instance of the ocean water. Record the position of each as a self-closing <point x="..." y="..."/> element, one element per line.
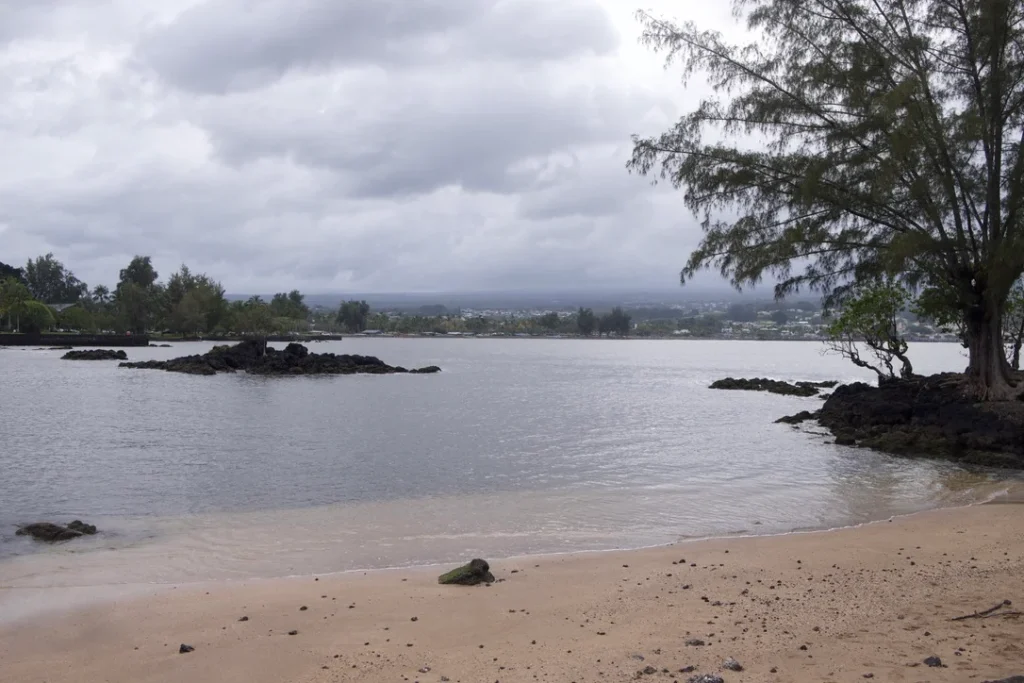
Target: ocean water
<point x="519" y="446"/>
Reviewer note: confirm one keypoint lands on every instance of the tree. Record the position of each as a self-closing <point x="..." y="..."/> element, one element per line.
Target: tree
<point x="76" y="318"/>
<point x="140" y="272"/>
<point x="13" y="294"/>
<point x="101" y="295"/>
<point x="255" y="320"/>
<point x="1013" y="324"/>
<point x="586" y="321"/>
<point x="196" y="302"/>
<point x="352" y="315"/>
<point x="7" y="271"/>
<point x="871" y="316"/>
<point x="34" y="316"/>
<point x="136" y="307"/>
<point x="617" y="322"/>
<point x="178" y="285"/>
<point x="891" y="146"/>
<point x="50" y="282"/>
<point x="290" y="305"/>
<point x="549" y="321"/>
<point x="741" y="313"/>
<point x="779" y="317"/>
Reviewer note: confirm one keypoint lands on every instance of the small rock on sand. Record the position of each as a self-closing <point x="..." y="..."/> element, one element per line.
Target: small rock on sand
<point x="933" y="661"/>
<point x="732" y="665"/>
<point x="185" y="649"/>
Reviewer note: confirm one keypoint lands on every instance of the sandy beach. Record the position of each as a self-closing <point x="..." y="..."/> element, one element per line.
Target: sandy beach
<point x="846" y="605"/>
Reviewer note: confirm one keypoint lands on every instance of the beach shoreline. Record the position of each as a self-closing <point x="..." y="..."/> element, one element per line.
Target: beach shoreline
<point x="859" y="599"/>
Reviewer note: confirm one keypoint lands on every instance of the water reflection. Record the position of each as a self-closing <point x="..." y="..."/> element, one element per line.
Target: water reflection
<point x="517" y="447"/>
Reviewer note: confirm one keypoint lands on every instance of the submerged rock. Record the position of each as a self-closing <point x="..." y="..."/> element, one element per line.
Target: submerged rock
<point x="773" y="386"/>
<point x="253" y="357"/>
<point x="476" y="572"/>
<point x="802" y="416"/>
<point x="96" y="354"/>
<point x="929" y="417"/>
<point x="82" y="528"/>
<point x="51" y="533"/>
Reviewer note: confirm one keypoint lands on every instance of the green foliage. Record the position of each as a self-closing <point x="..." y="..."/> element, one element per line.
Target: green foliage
<point x="887" y="143"/>
<point x="7" y="271"/>
<point x="290" y="305"/>
<point x="741" y="313"/>
<point x="76" y="318"/>
<point x="1013" y="324"/>
<point x="870" y="316"/>
<point x="137" y="307"/>
<point x="586" y="321"/>
<point x="140" y="272"/>
<point x="352" y="315"/>
<point x="616" y="322"/>
<point x="34" y="316"/>
<point x="13" y="294"/>
<point x="50" y="282"/>
<point x="549" y="321"/>
<point x="254" y="319"/>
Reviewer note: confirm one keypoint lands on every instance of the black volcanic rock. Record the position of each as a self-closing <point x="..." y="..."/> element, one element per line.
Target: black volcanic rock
<point x="802" y="416"/>
<point x="929" y="417"/>
<point x="773" y="386"/>
<point x="51" y="533"/>
<point x="295" y="359"/>
<point x="96" y="354"/>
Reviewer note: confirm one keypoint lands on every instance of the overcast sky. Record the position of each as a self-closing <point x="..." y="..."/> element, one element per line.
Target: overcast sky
<point x="341" y="145"/>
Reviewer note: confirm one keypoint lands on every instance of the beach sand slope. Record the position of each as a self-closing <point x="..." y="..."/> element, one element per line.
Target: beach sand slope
<point x="847" y="605"/>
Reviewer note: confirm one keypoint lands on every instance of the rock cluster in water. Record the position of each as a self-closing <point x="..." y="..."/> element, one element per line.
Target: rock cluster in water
<point x="773" y="386"/>
<point x="472" y="574"/>
<point x="253" y="357"/>
<point x="927" y="416"/>
<point x="51" y="533"/>
<point x="96" y="354"/>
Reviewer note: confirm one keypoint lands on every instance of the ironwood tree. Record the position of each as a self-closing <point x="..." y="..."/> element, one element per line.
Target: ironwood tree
<point x="854" y="141"/>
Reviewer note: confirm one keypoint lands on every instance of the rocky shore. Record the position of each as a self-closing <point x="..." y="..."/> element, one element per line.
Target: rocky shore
<point x="295" y="359"/>
<point x="928" y="417"/>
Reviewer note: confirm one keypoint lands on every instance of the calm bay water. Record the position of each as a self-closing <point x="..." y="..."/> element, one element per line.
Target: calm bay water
<point x="517" y="447"/>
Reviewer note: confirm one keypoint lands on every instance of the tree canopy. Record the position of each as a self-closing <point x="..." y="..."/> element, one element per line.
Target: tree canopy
<point x="858" y="140"/>
<point x="7" y="271"/>
<point x="52" y="283"/>
<point x="352" y="315"/>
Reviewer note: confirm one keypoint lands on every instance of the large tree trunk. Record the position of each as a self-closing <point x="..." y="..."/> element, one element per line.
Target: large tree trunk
<point x="988" y="370"/>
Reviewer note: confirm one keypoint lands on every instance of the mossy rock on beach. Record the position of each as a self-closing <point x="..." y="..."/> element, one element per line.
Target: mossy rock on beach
<point x="472" y="574"/>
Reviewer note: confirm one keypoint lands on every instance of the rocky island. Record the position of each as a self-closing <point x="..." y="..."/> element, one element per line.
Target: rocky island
<point x="255" y="358"/>
<point x="772" y="386"/>
<point x="96" y="354"/>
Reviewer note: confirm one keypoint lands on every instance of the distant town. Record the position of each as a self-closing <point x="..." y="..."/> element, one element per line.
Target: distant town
<point x="727" y="319"/>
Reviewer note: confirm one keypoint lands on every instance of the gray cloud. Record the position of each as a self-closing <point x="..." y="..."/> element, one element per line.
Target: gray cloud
<point x="223" y="45"/>
<point x="332" y="146"/>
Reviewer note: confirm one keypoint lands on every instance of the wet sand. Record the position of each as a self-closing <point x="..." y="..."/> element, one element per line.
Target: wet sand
<point x="846" y="605"/>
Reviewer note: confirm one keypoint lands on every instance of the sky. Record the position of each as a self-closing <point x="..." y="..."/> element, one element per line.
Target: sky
<point x="342" y="145"/>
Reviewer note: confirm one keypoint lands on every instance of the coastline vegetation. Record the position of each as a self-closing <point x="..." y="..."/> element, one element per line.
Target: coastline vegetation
<point x="857" y="144"/>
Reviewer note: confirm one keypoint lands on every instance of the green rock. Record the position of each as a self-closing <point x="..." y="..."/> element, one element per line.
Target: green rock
<point x="472" y="574"/>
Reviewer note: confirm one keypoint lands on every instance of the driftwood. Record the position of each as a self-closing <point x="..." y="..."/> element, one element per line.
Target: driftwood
<point x="991" y="612"/>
